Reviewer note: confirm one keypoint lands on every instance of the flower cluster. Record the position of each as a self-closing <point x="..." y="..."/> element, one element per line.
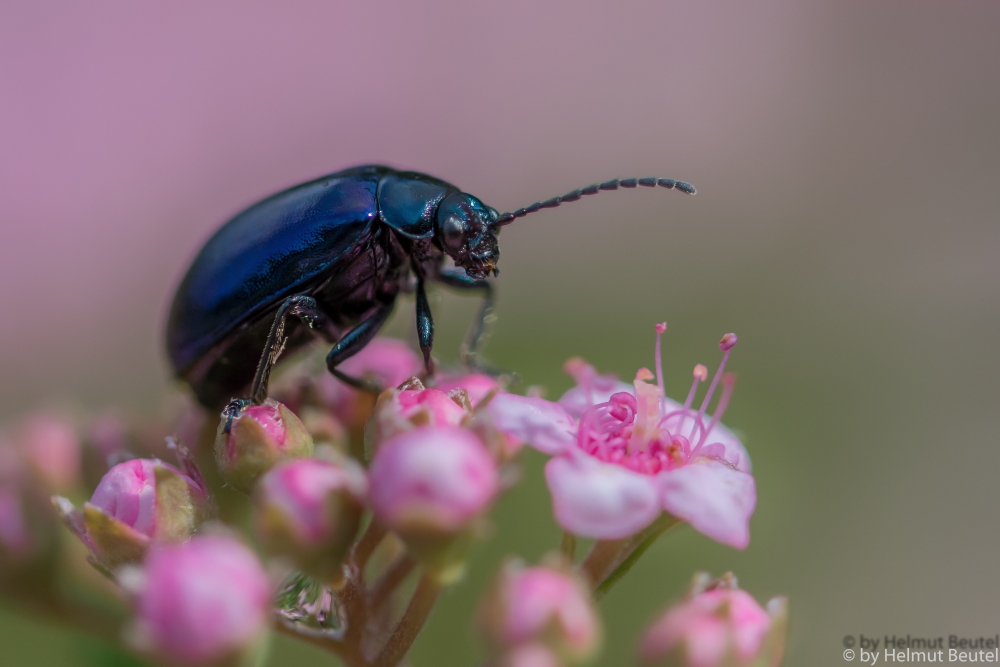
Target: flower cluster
<point x="362" y="509"/>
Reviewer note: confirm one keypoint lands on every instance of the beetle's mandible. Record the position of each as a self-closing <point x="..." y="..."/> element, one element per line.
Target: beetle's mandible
<point x="328" y="258"/>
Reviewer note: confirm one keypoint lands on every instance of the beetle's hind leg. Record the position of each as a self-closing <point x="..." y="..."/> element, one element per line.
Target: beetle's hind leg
<point x="480" y="329"/>
<point x="352" y="342"/>
<point x="302" y="307"/>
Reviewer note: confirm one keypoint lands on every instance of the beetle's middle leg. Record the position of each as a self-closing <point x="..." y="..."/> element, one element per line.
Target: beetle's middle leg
<point x="303" y="307"/>
<point x="479" y="331"/>
<point x="352" y="342"/>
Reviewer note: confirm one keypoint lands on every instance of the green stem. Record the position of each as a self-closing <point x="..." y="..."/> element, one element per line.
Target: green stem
<point x="394" y="575"/>
<point x="410" y="624"/>
<point x="363" y="550"/>
<point x="602" y="556"/>
<point x="568" y="546"/>
<point x="351" y="655"/>
<point x="635" y="549"/>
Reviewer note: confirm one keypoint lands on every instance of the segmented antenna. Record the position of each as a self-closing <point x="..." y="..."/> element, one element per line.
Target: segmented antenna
<point x="649" y="182"/>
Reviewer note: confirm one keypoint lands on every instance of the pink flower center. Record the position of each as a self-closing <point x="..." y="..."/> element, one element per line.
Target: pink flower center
<point x="647" y="432"/>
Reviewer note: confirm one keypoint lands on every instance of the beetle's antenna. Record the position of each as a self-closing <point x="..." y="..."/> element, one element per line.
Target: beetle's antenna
<point x="649" y="182"/>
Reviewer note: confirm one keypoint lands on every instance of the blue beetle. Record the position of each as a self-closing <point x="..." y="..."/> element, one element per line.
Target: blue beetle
<point x="332" y="255"/>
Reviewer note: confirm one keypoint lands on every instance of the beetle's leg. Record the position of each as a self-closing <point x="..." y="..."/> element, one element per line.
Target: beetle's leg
<point x="425" y="327"/>
<point x="479" y="331"/>
<point x="352" y="343"/>
<point x="303" y="307"/>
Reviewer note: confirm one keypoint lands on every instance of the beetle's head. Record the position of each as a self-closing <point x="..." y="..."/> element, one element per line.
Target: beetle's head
<point x="466" y="230"/>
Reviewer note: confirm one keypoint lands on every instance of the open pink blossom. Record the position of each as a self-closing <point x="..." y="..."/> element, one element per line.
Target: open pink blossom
<point x="203" y="602"/>
<point x="636" y="454"/>
<point x="716" y="627"/>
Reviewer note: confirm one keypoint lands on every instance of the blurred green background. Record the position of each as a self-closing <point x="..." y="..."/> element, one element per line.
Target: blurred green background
<point x="846" y="154"/>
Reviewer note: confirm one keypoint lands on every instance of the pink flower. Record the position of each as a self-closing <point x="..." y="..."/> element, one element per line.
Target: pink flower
<point x="411" y="406"/>
<point x="52" y="449"/>
<point x="477" y="386"/>
<point x="258" y="438"/>
<point x="15" y="537"/>
<point x="310" y="510"/>
<point x="635" y="454"/>
<point x="127" y="493"/>
<point x="529" y="655"/>
<point x="541" y="605"/>
<point x="203" y="602"/>
<point x="432" y="479"/>
<point x="716" y="627"/>
<point x="137" y="502"/>
<point x="385" y="361"/>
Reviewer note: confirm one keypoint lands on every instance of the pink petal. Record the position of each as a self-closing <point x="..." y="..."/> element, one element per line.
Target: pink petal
<point x="715" y="499"/>
<point x="542" y="424"/>
<point x="577" y="400"/>
<point x="736" y="453"/>
<point x="592" y="498"/>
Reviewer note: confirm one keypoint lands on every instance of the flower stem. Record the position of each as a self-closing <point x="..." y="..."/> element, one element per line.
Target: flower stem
<point x="635" y="549"/>
<point x="410" y="624"/>
<point x="351" y="655"/>
<point x="366" y="546"/>
<point x="394" y="575"/>
<point x="602" y="556"/>
<point x="568" y="546"/>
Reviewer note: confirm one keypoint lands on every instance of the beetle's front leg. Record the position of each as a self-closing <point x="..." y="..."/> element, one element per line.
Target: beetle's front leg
<point x="425" y="327"/>
<point x="479" y="331"/>
<point x="301" y="306"/>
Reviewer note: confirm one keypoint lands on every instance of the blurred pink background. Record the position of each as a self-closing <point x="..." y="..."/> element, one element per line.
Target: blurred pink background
<point x="846" y="153"/>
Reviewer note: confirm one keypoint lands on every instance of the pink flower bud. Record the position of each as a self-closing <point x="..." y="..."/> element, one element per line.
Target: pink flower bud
<point x="137" y="502"/>
<point x="52" y="449"/>
<point x="719" y="627"/>
<point x="541" y="605"/>
<point x="202" y="602"/>
<point x="429" y="485"/>
<point x="310" y="510"/>
<point x="15" y="539"/>
<point x="529" y="655"/>
<point x="476" y="385"/>
<point x="400" y="410"/>
<point x="259" y="438"/>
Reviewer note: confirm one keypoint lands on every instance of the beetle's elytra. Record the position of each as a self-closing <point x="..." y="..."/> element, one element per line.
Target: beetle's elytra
<point x="334" y="253"/>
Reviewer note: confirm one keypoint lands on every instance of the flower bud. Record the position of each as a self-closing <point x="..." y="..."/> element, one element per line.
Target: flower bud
<point x="545" y="605"/>
<point x="310" y="510"/>
<point x="258" y="438"/>
<point x="403" y="409"/>
<point x="429" y="485"/>
<point x="203" y="602"/>
<point x="51" y="448"/>
<point x="529" y="655"/>
<point x="28" y="527"/>
<point x="137" y="502"/>
<point x="477" y="386"/>
<point x="720" y="626"/>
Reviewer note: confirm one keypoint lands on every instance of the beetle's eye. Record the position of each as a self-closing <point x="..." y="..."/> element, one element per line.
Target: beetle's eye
<point x="453" y="232"/>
